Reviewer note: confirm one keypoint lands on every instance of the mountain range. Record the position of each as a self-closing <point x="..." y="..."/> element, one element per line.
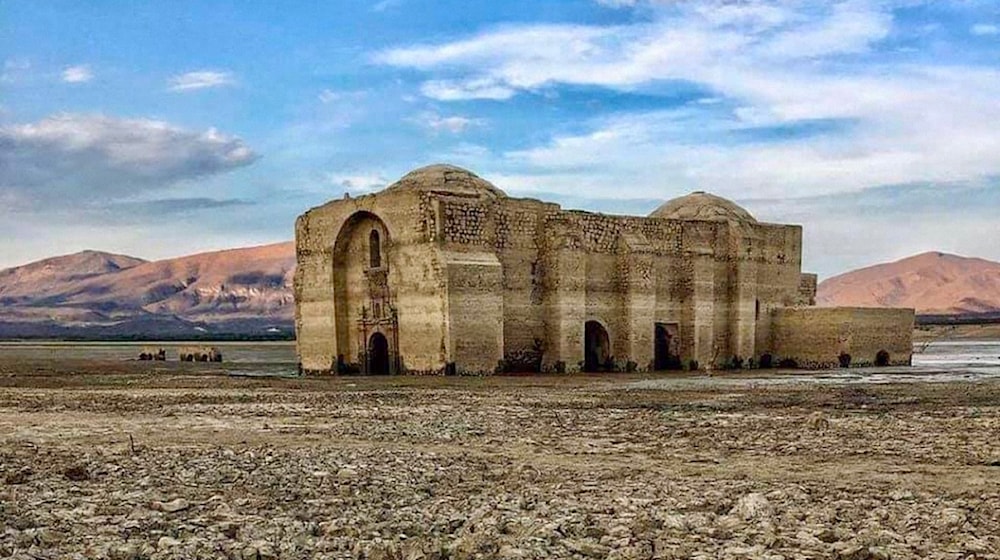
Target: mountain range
<point x="239" y="292"/>
<point x="248" y="293"/>
<point x="932" y="283"/>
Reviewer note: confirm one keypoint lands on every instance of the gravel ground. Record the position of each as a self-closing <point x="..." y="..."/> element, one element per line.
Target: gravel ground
<point x="118" y="463"/>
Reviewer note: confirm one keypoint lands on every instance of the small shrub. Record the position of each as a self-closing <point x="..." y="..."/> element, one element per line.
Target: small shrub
<point x="766" y="361"/>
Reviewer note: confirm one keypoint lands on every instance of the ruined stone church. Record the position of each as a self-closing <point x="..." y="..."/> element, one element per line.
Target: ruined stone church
<point x="442" y="272"/>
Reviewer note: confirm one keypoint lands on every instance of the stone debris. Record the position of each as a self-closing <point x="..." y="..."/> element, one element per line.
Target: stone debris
<point x="173" y="506"/>
<point x="572" y="468"/>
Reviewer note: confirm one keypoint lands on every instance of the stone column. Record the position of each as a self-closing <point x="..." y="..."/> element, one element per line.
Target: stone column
<point x="638" y="300"/>
<point x="565" y="283"/>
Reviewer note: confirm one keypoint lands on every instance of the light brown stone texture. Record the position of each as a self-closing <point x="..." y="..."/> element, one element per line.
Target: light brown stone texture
<point x="441" y="272"/>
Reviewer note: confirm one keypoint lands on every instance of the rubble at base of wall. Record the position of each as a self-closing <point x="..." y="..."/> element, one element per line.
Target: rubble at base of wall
<point x="780" y="363"/>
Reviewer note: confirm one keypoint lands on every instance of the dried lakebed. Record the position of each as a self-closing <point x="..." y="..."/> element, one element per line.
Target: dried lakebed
<point x="121" y="464"/>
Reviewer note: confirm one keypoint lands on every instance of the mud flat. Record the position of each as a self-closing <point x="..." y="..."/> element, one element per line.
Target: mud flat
<point x="112" y="461"/>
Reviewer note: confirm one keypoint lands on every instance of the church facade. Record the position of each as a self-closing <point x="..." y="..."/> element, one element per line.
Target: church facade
<point x="442" y="272"/>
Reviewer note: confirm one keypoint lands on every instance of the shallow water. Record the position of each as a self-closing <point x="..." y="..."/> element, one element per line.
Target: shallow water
<point x="935" y="362"/>
<point x="239" y="358"/>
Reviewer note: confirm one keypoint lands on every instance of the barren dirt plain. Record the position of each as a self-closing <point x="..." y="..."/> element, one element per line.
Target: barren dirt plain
<point x="128" y="461"/>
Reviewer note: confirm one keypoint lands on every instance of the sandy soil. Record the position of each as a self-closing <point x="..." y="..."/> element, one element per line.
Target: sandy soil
<point x="115" y="462"/>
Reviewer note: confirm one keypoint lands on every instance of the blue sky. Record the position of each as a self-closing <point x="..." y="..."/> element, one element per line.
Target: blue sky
<point x="163" y="128"/>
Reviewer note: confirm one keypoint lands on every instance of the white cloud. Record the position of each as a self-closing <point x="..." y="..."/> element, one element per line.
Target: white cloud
<point x="985" y="29"/>
<point x="454" y="123"/>
<point x="702" y="44"/>
<point x="618" y="3"/>
<point x="448" y="90"/>
<point x="328" y="96"/>
<point x="71" y="158"/>
<point x="788" y="64"/>
<point x="77" y="74"/>
<point x="358" y="182"/>
<point x="385" y="5"/>
<point x="201" y="79"/>
<point x="14" y="69"/>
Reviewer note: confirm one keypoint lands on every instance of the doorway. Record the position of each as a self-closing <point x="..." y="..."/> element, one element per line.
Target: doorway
<point x="665" y="355"/>
<point x="378" y="355"/>
<point x="596" y="348"/>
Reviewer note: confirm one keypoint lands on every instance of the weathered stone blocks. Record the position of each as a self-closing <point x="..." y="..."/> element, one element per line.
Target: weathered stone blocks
<point x="475" y="281"/>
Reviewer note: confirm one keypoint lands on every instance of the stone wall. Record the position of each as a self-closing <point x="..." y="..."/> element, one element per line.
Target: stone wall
<point x="331" y="285"/>
<point x="476" y="281"/>
<point x="817" y="337"/>
<point x="475" y="315"/>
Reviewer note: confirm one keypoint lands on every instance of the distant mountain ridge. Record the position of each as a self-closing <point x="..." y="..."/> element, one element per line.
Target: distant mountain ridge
<point x="247" y="292"/>
<point x="237" y="291"/>
<point x="933" y="283"/>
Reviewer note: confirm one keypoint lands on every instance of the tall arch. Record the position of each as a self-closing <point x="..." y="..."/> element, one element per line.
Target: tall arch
<point x="361" y="291"/>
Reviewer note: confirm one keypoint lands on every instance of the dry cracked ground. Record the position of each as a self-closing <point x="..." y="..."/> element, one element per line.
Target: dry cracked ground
<point x="124" y="463"/>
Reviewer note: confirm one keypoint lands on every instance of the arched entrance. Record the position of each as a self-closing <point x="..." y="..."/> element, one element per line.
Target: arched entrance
<point x="882" y="358"/>
<point x="378" y="355"/>
<point x="362" y="296"/>
<point x="665" y="347"/>
<point x="596" y="347"/>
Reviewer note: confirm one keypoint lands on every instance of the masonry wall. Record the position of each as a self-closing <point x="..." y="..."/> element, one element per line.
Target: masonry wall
<point x="482" y="283"/>
<point x="475" y="314"/>
<point x="815" y="337"/>
<point x="329" y="242"/>
<point x="562" y="268"/>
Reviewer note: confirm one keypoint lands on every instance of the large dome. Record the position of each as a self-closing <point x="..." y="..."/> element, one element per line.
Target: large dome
<point x="700" y="205"/>
<point x="447" y="179"/>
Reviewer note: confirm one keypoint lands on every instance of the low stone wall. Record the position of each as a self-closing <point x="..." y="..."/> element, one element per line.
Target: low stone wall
<point x="825" y="337"/>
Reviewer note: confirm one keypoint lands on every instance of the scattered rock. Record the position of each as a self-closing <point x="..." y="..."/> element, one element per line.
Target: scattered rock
<point x="173" y="506"/>
<point x="586" y="548"/>
<point x="167" y="542"/>
<point x="347" y="473"/>
<point x="753" y="506"/>
<point x="77" y="473"/>
<point x="533" y="472"/>
<point x="950" y="518"/>
<point x="19" y="476"/>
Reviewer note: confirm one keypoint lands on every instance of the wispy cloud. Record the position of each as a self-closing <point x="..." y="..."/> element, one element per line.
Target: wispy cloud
<point x="328" y="96"/>
<point x="357" y="182"/>
<point x="13" y="69"/>
<point x="384" y="5"/>
<point x="985" y="29"/>
<point x="202" y="79"/>
<point x="454" y="123"/>
<point x="698" y="43"/>
<point x="805" y="102"/>
<point x="458" y="90"/>
<point x="77" y="74"/>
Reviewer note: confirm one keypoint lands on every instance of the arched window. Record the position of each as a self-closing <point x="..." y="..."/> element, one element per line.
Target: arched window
<point x="375" y="249"/>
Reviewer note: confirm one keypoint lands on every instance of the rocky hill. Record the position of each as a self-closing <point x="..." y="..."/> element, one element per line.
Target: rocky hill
<point x="240" y="291"/>
<point x="932" y="283"/>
